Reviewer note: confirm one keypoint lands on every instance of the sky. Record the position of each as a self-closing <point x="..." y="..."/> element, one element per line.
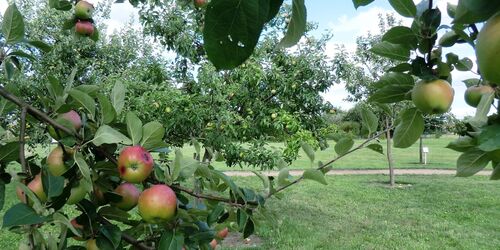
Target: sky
<point x="346" y="23"/>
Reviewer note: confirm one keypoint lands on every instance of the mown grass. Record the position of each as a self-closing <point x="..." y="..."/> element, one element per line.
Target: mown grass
<point x="439" y="156"/>
<point x="361" y="212"/>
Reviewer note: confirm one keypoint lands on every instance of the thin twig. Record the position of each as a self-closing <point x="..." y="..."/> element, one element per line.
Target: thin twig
<point x="360" y="146"/>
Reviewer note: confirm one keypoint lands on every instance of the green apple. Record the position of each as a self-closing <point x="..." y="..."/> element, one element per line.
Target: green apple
<point x="433" y="97"/>
<point x="78" y="193"/>
<point x="473" y="94"/>
<point x="83" y="10"/>
<point x="488" y="50"/>
<point x="56" y="160"/>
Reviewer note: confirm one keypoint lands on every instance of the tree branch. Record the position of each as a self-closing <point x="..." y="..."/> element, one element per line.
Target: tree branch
<point x="24" y="166"/>
<point x="360" y="146"/>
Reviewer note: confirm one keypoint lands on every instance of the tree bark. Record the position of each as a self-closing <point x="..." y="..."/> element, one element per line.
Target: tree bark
<point x="390" y="160"/>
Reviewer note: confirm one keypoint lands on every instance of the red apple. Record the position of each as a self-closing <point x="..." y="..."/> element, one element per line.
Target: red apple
<point x="36" y="187"/>
<point x="70" y="120"/>
<point x="79" y="228"/>
<point x="83" y="10"/>
<point x="157" y="204"/>
<point x="135" y="164"/>
<point x="223" y="233"/>
<point x="84" y="28"/>
<point x="200" y="3"/>
<point x="130" y="196"/>
<point x="213" y="244"/>
<point x="55" y="160"/>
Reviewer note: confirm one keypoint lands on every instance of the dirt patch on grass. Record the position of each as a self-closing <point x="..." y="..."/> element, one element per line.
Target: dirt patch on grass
<point x="235" y="240"/>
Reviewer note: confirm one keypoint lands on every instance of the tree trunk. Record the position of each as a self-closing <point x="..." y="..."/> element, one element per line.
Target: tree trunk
<point x="421" y="150"/>
<point x="390" y="161"/>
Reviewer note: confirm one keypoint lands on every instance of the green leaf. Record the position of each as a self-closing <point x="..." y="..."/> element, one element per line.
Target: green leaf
<point x="464" y="64"/>
<point x="83" y="166"/>
<point x="315" y="175"/>
<point x="489" y="139"/>
<point x="482" y="110"/>
<point x="39" y="45"/>
<point x="297" y="25"/>
<point x="8" y="67"/>
<point x="13" y="25"/>
<point x="401" y="35"/>
<point x="392" y="51"/>
<point x="405" y="8"/>
<point x="495" y="175"/>
<point x="449" y="39"/>
<point x="471" y="162"/>
<point x="114" y="213"/>
<point x="283" y="177"/>
<point x="95" y="35"/>
<point x="9" y="152"/>
<point x="52" y="185"/>
<point x="171" y="240"/>
<point x="21" y="214"/>
<point x="409" y="129"/>
<point x="308" y="150"/>
<point x="152" y="135"/>
<point x="274" y="8"/>
<point x="177" y="164"/>
<point x="249" y="228"/>
<point x="58" y="217"/>
<point x="474" y="11"/>
<point x="108" y="113"/>
<point x="228" y="181"/>
<point x="22" y="54"/>
<point x="370" y="120"/>
<point x="376" y="147"/>
<point x="391" y="94"/>
<point x="134" y="127"/>
<point x="359" y="3"/>
<point x="232" y="30"/>
<point x="344" y="145"/>
<point x="85" y="100"/>
<point x="108" y="135"/>
<point x="118" y="97"/>
<point x="112" y="233"/>
<point x="462" y="144"/>
<point x="265" y="180"/>
<point x="2" y="194"/>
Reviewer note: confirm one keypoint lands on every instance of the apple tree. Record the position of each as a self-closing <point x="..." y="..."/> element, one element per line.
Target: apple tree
<point x="109" y="159"/>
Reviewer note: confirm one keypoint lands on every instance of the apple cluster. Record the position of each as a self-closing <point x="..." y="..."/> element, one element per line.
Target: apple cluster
<point x="83" y="14"/>
<point x="156" y="204"/>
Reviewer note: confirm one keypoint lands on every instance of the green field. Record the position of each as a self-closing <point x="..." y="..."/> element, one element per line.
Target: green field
<point x="360" y="212"/>
<point x="439" y="156"/>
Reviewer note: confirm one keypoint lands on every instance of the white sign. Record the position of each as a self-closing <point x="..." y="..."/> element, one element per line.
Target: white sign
<point x="425" y="150"/>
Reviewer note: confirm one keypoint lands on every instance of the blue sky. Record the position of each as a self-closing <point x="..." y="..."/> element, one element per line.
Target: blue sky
<point x="347" y="23"/>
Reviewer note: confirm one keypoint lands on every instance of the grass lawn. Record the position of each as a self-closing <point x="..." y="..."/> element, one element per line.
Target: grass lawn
<point x="360" y="212"/>
<point x="439" y="157"/>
